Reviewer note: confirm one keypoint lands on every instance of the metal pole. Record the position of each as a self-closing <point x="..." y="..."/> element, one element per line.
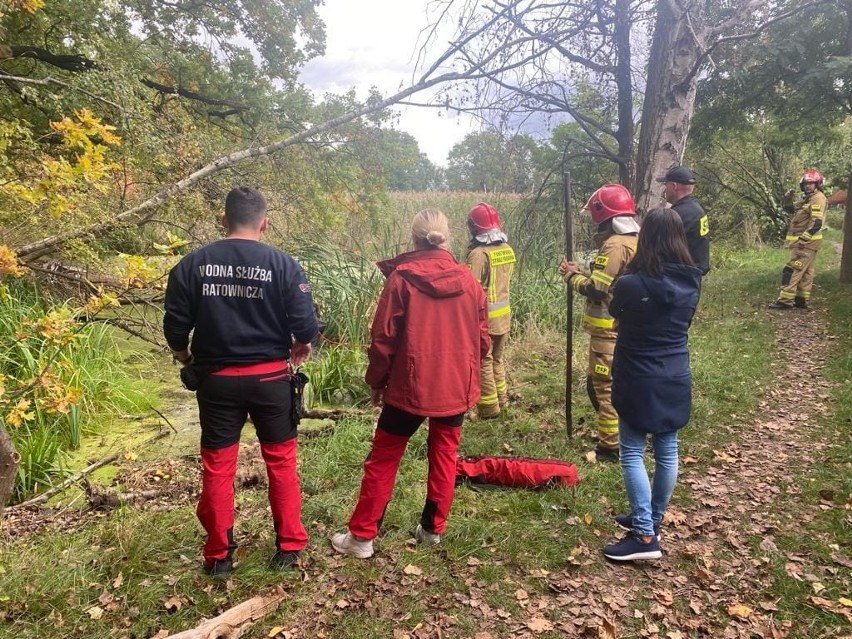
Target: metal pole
<point x="569" y="293"/>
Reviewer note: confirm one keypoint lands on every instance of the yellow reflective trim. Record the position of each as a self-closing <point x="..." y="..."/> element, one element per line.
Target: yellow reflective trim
<point x="791" y="238"/>
<point x="786" y="295"/>
<point x="816" y="208"/>
<point x="502" y="256"/>
<point x="603" y="278"/>
<point x="601" y="260"/>
<point x="488" y="400"/>
<point x="599" y="322"/>
<point x="500" y="312"/>
<point x="501" y="386"/>
<point x="703" y="226"/>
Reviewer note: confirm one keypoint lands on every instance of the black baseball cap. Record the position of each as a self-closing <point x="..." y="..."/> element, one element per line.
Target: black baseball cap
<point x="679" y="174"/>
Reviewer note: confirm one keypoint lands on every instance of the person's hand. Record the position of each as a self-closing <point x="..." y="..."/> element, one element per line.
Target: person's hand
<point x="183" y="357"/>
<point x="377" y="397"/>
<point x="299" y="353"/>
<point x="568" y="268"/>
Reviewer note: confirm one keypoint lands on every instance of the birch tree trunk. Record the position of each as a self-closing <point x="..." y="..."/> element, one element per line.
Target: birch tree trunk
<point x="669" y="97"/>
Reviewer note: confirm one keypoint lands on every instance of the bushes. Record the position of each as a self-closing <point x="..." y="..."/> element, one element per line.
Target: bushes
<point x="56" y="375"/>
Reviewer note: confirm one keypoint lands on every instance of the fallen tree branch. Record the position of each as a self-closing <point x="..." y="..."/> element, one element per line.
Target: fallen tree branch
<point x="144" y="211"/>
<point x="105" y="500"/>
<point x="43" y="497"/>
<point x="232" y="623"/>
<point x="332" y="413"/>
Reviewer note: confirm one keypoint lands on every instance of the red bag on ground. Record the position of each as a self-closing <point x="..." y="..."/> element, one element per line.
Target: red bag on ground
<point x="515" y="472"/>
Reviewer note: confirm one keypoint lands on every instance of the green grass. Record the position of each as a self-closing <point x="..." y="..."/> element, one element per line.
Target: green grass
<point x="499" y="541"/>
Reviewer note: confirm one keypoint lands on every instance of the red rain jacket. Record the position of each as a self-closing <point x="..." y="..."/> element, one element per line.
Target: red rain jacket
<point x="429" y="334"/>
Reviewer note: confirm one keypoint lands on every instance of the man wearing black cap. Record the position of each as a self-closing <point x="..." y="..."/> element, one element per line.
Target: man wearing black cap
<point x="680" y="182"/>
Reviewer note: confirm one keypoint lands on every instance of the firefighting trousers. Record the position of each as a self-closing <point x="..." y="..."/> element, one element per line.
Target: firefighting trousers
<point x="599" y="387"/>
<point x="215" y="508"/>
<point x="394" y="429"/>
<point x="492" y="379"/>
<point x="797" y="278"/>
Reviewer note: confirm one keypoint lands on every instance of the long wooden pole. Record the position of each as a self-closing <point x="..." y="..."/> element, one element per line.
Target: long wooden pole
<point x="569" y="294"/>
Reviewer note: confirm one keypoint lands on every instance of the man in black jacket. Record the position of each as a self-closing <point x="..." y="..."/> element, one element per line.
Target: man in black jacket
<point x="250" y="311"/>
<point x="680" y="182"/>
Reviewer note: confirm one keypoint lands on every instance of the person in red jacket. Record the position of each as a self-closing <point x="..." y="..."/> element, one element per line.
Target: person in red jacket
<point x="428" y="338"/>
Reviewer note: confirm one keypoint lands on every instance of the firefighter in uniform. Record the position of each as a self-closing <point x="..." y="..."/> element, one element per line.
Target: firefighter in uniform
<point x="613" y="210"/>
<point x="804" y="237"/>
<point x="492" y="261"/>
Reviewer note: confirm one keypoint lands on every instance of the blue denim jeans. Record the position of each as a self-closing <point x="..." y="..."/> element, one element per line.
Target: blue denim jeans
<point x="648" y="501"/>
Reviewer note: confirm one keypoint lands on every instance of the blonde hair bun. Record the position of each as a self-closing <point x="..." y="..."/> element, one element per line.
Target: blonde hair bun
<point x="430" y="228"/>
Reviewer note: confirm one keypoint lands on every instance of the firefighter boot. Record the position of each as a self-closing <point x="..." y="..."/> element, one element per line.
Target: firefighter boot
<point x="799" y="302"/>
<point x="778" y="305"/>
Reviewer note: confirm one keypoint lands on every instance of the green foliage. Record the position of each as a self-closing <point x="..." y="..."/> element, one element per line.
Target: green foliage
<point x="488" y="162"/>
<point x="58" y="377"/>
<point x="403" y="164"/>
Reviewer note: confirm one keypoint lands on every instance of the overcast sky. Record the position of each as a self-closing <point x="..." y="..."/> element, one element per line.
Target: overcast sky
<point x="375" y="44"/>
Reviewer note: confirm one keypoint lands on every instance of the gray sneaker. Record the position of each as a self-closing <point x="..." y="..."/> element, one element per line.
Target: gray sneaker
<point x="347" y="544"/>
<point x="423" y="536"/>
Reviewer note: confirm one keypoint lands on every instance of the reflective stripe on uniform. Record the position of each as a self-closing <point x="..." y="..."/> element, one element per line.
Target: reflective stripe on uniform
<point x="501" y="387"/>
<point x="602" y="277"/>
<point x="608" y="425"/>
<point x="498" y="308"/>
<point x="599" y="322"/>
<point x="488" y="400"/>
<point x="786" y="295"/>
<point x="791" y="238"/>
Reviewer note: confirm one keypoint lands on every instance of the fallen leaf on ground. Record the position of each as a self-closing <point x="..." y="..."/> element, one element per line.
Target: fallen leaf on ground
<point x="95" y="612"/>
<point x="739" y="610"/>
<point x="411" y="569"/>
<point x="606" y="630"/>
<point x="274" y="631"/>
<point x="539" y="625"/>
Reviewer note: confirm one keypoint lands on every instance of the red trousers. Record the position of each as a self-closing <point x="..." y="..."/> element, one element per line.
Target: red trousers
<point x="380" y="470"/>
<point x="216" y="504"/>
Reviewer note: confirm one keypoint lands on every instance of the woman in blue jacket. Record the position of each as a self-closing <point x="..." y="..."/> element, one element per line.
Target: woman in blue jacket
<point x="653" y="303"/>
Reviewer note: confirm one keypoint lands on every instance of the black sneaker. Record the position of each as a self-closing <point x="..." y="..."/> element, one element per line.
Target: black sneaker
<point x="800" y="302"/>
<point x="631" y="548"/>
<point x="220" y="568"/>
<point x="626" y="522"/>
<point x="778" y="305"/>
<point x="606" y="454"/>
<point x="285" y="559"/>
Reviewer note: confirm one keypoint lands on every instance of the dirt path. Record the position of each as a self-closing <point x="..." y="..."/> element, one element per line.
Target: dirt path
<point x="720" y="548"/>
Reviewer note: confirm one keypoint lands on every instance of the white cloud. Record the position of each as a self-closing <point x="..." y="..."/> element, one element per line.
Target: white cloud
<point x="375" y="44"/>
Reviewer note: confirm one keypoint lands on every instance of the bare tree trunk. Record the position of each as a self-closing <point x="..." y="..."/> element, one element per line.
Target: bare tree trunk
<point x="846" y="256"/>
<point x="624" y="82"/>
<point x="9" y="461"/>
<point x="669" y="97"/>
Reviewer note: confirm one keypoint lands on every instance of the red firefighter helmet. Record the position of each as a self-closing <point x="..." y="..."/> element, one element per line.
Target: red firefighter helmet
<point x="611" y="200"/>
<point x="483" y="217"/>
<point x="812" y="175"/>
